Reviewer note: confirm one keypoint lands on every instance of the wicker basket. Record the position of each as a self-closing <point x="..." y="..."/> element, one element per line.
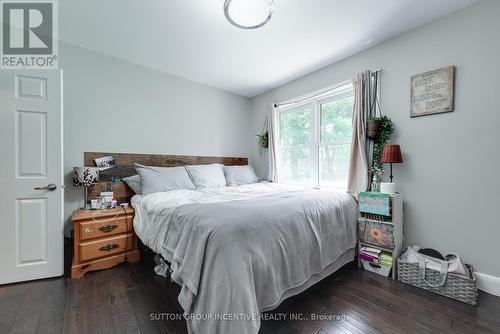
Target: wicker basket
<point x="457" y="287"/>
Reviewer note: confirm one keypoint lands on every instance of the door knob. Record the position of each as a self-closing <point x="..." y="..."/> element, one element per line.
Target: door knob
<point x="50" y="187"/>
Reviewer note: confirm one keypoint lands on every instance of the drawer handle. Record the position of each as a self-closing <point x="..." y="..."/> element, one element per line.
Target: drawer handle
<point x="108" y="248"/>
<point x="108" y="228"/>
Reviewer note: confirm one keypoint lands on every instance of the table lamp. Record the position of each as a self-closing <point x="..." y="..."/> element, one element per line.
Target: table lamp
<point x="390" y="155"/>
<point x="85" y="177"/>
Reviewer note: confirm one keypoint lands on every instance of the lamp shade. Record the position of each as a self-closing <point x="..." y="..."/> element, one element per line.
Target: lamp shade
<point x="391" y="154"/>
<point x="85" y="176"/>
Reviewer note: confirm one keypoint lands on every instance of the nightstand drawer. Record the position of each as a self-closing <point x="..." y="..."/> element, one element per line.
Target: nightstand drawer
<point x="103" y="227"/>
<point x="105" y="247"/>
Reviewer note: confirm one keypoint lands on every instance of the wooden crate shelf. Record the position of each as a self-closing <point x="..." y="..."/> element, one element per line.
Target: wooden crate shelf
<point x="396" y="219"/>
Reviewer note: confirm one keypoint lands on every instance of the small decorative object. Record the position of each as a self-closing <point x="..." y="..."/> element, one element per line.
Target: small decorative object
<point x="387" y="187"/>
<point x="85" y="177"/>
<point x="105" y="163"/>
<point x="432" y="92"/>
<point x="376" y="179"/>
<point x="375" y="184"/>
<point x="246" y="14"/>
<point x="391" y="154"/>
<point x="106" y="198"/>
<point x="93" y="204"/>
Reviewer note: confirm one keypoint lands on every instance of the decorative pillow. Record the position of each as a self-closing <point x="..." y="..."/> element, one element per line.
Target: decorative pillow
<point x="134" y="182"/>
<point x="207" y="176"/>
<point x="239" y="175"/>
<point x="158" y="179"/>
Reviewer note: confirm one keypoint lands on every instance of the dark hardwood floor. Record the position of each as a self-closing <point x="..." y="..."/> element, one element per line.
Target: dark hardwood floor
<point x="121" y="299"/>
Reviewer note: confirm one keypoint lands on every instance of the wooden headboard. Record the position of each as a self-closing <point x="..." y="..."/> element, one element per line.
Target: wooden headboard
<point x="112" y="178"/>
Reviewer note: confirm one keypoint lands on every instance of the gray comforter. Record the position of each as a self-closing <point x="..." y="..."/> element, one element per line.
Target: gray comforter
<point x="237" y="258"/>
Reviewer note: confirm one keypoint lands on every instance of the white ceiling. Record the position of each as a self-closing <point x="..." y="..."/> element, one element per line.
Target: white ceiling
<point x="193" y="40"/>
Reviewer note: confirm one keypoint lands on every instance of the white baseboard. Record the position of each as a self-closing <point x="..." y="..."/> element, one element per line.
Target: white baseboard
<point x="488" y="283"/>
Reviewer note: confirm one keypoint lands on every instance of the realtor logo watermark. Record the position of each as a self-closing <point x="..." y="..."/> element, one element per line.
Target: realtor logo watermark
<point x="29" y="35"/>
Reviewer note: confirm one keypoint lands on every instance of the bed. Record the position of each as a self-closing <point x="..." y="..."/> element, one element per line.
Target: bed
<point x="240" y="251"/>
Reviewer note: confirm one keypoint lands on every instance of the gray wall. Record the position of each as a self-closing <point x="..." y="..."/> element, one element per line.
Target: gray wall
<point x="449" y="178"/>
<point x="113" y="105"/>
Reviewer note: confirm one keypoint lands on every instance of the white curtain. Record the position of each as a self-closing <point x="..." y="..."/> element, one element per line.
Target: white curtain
<point x="358" y="179"/>
<point x="273" y="144"/>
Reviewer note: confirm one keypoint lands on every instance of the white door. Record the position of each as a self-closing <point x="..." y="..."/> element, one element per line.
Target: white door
<point x="31" y="178"/>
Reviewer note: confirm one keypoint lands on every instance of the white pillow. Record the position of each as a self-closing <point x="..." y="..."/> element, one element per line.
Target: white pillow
<point x="134" y="182"/>
<point x="239" y="175"/>
<point x="158" y="179"/>
<point x="207" y="176"/>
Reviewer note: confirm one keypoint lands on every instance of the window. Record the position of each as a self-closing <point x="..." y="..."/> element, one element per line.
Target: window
<point x="315" y="140"/>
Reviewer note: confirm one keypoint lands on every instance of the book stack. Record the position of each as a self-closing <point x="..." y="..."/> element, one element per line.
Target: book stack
<point x="369" y="254"/>
<point x="385" y="259"/>
<point x="375" y="256"/>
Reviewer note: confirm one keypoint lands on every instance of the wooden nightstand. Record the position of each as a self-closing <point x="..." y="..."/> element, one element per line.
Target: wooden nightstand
<point x="103" y="239"/>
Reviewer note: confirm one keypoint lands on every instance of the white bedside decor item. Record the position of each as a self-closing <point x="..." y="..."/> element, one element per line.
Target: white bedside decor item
<point x="388" y="187"/>
<point x="85" y="177"/>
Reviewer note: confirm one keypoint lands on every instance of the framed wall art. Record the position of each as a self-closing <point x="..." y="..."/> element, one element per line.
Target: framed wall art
<point x="433" y="92"/>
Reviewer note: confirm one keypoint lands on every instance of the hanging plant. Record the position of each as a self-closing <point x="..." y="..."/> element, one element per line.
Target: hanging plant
<point x="263" y="139"/>
<point x="372" y="128"/>
<point x="385" y="131"/>
<point x="375" y="115"/>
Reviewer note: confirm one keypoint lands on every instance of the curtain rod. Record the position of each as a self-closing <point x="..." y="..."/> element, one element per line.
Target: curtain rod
<point x="318" y="93"/>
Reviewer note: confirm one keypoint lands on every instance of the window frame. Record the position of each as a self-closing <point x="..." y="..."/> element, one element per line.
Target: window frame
<point x="343" y="90"/>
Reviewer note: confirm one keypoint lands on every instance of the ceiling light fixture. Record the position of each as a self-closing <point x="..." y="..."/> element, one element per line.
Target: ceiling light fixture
<point x="248" y="14"/>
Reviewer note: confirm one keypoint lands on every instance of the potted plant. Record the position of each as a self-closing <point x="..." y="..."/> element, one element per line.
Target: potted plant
<point x="372" y="128"/>
<point x="385" y="131"/>
<point x="263" y="139"/>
